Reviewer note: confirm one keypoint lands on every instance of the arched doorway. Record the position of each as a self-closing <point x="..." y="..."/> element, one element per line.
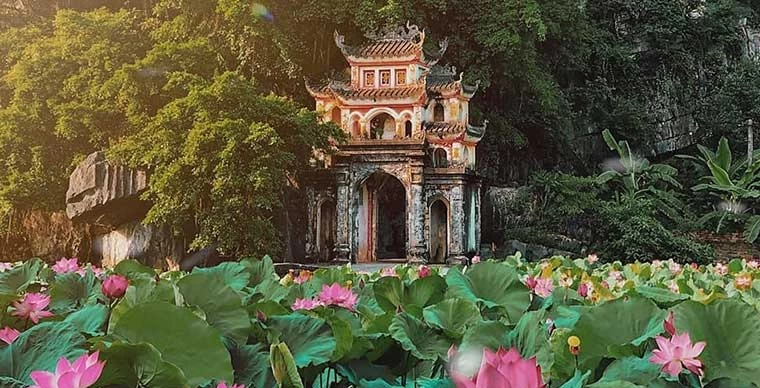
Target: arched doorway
<point x="326" y="230"/>
<point x="439" y="232"/>
<point x="438" y="114"/>
<point x="382" y="126"/>
<point x="440" y="158"/>
<point x="335" y="116"/>
<point x="408" y="129"/>
<point x="381" y="218"/>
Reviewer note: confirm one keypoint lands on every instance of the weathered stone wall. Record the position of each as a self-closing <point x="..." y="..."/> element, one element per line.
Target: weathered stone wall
<point x="152" y="245"/>
<point x="47" y="235"/>
<point x="729" y="246"/>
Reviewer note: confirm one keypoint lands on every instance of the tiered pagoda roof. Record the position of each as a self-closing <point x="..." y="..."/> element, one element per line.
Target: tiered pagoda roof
<point x="402" y="45"/>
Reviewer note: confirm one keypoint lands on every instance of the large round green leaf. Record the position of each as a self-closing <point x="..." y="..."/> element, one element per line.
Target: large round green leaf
<point x="389" y="293"/>
<point x="181" y="337"/>
<point x="486" y="334"/>
<point x="138" y="365"/>
<point x="634" y="370"/>
<point x="453" y="316"/>
<point x="89" y="320"/>
<point x="251" y="363"/>
<point x="233" y="274"/>
<point x="414" y="336"/>
<point x="221" y="304"/>
<point x="492" y="284"/>
<point x="619" y="322"/>
<point x="71" y="291"/>
<point x="39" y="348"/>
<point x="309" y="339"/>
<point x="17" y="279"/>
<point x="729" y="326"/>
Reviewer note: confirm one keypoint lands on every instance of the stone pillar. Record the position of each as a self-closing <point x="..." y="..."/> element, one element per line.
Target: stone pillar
<point x="311" y="222"/>
<point x="342" y="247"/>
<point x="477" y="217"/>
<point x="417" y="245"/>
<point x="457" y="222"/>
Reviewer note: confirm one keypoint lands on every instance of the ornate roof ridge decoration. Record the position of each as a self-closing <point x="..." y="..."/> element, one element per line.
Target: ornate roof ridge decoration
<point x="433" y="58"/>
<point x="410" y="33"/>
<point x="393" y="42"/>
<point x="477" y="132"/>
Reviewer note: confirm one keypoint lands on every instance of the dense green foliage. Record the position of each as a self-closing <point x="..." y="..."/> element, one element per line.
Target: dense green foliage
<point x="144" y="79"/>
<point x="241" y="322"/>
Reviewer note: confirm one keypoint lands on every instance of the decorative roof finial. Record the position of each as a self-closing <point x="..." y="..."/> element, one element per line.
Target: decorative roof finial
<point x="410" y="33"/>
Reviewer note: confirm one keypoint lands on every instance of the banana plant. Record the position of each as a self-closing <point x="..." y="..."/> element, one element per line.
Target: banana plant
<point x="637" y="178"/>
<point x="735" y="182"/>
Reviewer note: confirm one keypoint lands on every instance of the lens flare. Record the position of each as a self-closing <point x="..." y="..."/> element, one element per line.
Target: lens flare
<point x="466" y="361"/>
<point x="735" y="207"/>
<point x="261" y="11"/>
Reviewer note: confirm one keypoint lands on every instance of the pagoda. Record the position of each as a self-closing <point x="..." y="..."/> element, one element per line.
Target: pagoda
<point x="403" y="186"/>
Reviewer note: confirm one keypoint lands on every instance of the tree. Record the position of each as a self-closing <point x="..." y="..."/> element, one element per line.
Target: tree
<point x="219" y="159"/>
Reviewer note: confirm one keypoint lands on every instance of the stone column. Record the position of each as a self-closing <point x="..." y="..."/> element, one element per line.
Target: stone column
<point x="457" y="218"/>
<point x="477" y="217"/>
<point x="311" y="224"/>
<point x="342" y="206"/>
<point x="416" y="219"/>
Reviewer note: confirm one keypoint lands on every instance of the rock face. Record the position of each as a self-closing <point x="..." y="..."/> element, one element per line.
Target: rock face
<point x="106" y="198"/>
<point x="105" y="194"/>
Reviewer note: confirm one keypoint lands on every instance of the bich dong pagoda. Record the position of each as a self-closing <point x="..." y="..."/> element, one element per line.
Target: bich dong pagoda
<point x="403" y="186"/>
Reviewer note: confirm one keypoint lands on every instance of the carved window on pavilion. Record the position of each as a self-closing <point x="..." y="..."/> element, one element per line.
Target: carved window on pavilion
<point x="369" y="78"/>
<point x="400" y="77"/>
<point x="385" y="77"/>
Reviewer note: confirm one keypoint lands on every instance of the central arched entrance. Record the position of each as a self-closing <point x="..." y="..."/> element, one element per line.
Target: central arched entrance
<point x="439" y="232"/>
<point x="381" y="218"/>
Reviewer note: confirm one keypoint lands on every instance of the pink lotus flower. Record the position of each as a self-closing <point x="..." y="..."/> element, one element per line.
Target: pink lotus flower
<point x="388" y="271"/>
<point x="475" y="259"/>
<point x="224" y="385"/>
<point x="423" y="271"/>
<point x="65" y="265"/>
<point x="500" y="369"/>
<point x="754" y="264"/>
<point x="339" y="296"/>
<point x="531" y="282"/>
<point x="98" y="272"/>
<point x="5" y="266"/>
<point x="83" y="373"/>
<point x="694" y="266"/>
<point x="673" y="287"/>
<point x="616" y="275"/>
<point x="592" y="258"/>
<point x="656" y="263"/>
<point x="669" y="324"/>
<point x="721" y="269"/>
<point x="8" y="335"/>
<point x="674" y="267"/>
<point x="303" y="277"/>
<point x="544" y="287"/>
<point x="306" y="304"/>
<point x="584" y="289"/>
<point x="743" y="281"/>
<point x="32" y="306"/>
<point x="115" y="286"/>
<point x="677" y="353"/>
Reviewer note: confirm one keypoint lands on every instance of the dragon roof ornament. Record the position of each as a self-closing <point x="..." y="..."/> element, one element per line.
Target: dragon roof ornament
<point x="410" y="33"/>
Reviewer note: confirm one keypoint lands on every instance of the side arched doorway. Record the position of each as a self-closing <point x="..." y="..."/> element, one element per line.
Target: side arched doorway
<point x="326" y="230"/>
<point x="439" y="232"/>
<point x="381" y="218"/>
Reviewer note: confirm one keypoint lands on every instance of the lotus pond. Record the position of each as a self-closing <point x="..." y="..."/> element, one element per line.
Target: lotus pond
<point x="514" y="324"/>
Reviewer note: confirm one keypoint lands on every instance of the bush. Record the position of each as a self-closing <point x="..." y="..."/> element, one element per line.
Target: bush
<point x="628" y="232"/>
